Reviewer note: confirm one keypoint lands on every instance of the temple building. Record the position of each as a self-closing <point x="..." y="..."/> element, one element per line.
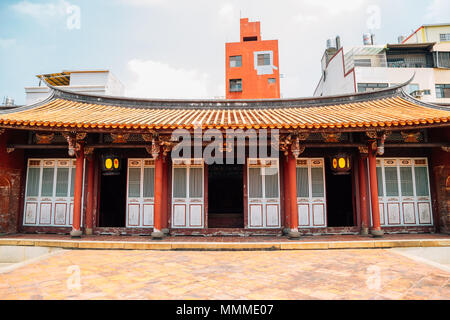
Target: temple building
<point x="371" y="163"/>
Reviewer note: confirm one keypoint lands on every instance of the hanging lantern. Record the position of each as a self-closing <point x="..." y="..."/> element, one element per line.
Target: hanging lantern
<point x="111" y="164"/>
<point x="341" y="164"/>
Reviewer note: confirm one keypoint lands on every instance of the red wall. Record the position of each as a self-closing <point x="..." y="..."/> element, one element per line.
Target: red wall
<point x="11" y="175"/>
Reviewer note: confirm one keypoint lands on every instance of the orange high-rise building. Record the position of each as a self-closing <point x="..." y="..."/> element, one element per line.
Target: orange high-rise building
<point x="252" y="70"/>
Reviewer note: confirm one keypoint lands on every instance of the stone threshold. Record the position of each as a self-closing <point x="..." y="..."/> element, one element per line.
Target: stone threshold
<point x="232" y="246"/>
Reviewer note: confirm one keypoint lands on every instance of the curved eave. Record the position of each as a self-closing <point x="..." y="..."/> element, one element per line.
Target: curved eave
<point x="387" y="109"/>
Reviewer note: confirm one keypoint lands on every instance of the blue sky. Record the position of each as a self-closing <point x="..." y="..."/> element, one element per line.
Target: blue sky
<point x="176" y="48"/>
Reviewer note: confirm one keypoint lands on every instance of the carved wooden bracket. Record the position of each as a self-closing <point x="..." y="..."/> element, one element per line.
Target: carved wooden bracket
<point x="44" y="138"/>
<point x="364" y="151"/>
<point x="411" y="136"/>
<point x="2" y="131"/>
<point x="446" y="149"/>
<point x="372" y="134"/>
<point x="74" y="140"/>
<point x="119" y="138"/>
<point x="331" y="137"/>
<point x="10" y="150"/>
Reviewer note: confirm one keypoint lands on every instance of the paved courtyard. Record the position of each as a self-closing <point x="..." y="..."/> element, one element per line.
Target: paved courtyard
<point x="127" y="274"/>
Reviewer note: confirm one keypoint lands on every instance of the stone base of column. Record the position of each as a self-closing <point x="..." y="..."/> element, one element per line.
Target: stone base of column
<point x="165" y="231"/>
<point x="88" y="232"/>
<point x="293" y="235"/>
<point x="285" y="231"/>
<point x="76" y="233"/>
<point x="157" y="235"/>
<point x="377" y="233"/>
<point x="364" y="232"/>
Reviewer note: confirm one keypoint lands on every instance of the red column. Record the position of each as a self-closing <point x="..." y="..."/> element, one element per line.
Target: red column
<point x="157" y="234"/>
<point x="286" y="196"/>
<point x="78" y="189"/>
<point x="363" y="195"/>
<point x="164" y="214"/>
<point x="376" y="227"/>
<point x="90" y="196"/>
<point x="292" y="172"/>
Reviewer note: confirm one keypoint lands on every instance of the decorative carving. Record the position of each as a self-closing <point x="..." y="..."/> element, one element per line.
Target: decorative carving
<point x="44" y="138"/>
<point x="155" y="149"/>
<point x="302" y="136"/>
<point x="147" y="137"/>
<point x="364" y="151"/>
<point x="284" y="144"/>
<point x="296" y="148"/>
<point x="446" y="149"/>
<point x="119" y="137"/>
<point x="331" y="137"/>
<point x="74" y="140"/>
<point x="372" y="134"/>
<point x="411" y="137"/>
<point x="2" y="131"/>
<point x="89" y="152"/>
<point x="9" y="150"/>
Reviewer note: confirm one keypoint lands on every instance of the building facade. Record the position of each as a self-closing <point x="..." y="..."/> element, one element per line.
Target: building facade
<point x="375" y="162"/>
<point x="372" y="67"/>
<point x="252" y="65"/>
<point x="101" y="82"/>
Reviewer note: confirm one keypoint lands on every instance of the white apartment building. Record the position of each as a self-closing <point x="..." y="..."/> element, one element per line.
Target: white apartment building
<point x="98" y="82"/>
<point x="425" y="54"/>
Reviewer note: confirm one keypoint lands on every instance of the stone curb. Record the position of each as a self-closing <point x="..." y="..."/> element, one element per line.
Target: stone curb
<point x="158" y="245"/>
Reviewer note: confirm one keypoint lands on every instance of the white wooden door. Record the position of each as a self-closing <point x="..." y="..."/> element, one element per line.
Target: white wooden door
<point x="49" y="192"/>
<point x="263" y="193"/>
<point x="404" y="192"/>
<point x="140" y="193"/>
<point x="187" y="194"/>
<point x="311" y="193"/>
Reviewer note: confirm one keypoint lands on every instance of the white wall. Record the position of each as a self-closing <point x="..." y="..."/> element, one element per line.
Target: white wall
<point x="335" y="82"/>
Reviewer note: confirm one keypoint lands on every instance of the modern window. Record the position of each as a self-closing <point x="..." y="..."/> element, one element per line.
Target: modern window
<point x="366" y="87"/>
<point x="235" y="61"/>
<point x="272" y="80"/>
<point x="414" y="87"/>
<point x="441" y="59"/>
<point x="445" y="37"/>
<point x="443" y="91"/>
<point x="264" y="59"/>
<point x="235" y="85"/>
<point x="363" y="63"/>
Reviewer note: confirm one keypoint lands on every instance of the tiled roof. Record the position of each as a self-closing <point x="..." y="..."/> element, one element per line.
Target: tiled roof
<point x="388" y="108"/>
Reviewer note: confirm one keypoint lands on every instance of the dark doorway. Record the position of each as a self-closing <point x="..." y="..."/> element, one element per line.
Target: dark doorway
<point x="112" y="209"/>
<point x="225" y="196"/>
<point x="339" y="198"/>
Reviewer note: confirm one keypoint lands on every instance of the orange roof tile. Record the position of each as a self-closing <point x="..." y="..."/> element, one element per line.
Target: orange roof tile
<point x="387" y="108"/>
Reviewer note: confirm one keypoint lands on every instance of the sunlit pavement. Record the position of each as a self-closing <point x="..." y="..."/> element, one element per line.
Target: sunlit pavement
<point x="330" y="274"/>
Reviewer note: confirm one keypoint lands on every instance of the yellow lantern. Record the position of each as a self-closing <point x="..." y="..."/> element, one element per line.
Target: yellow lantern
<point x="111" y="164"/>
<point x="341" y="164"/>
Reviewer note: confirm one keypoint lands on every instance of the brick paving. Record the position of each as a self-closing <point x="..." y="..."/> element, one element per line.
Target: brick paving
<point x="331" y="274"/>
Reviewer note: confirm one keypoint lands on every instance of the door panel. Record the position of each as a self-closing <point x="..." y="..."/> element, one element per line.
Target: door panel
<point x="263" y="193"/>
<point x="49" y="192"/>
<point x="311" y="193"/>
<point x="404" y="192"/>
<point x="140" y="193"/>
<point x="187" y="193"/>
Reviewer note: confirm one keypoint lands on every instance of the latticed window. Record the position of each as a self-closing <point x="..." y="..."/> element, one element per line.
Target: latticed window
<point x="235" y="61"/>
<point x="264" y="59"/>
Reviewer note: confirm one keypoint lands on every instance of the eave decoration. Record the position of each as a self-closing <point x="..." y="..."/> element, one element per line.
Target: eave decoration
<point x="411" y="136"/>
<point x="75" y="141"/>
<point x="331" y="137"/>
<point x="44" y="138"/>
<point x="119" y="137"/>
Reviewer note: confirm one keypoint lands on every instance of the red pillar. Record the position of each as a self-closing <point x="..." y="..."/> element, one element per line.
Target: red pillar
<point x="157" y="234"/>
<point x="363" y="195"/>
<point x="90" y="196"/>
<point x="286" y="196"/>
<point x="76" y="221"/>
<point x="164" y="214"/>
<point x="376" y="226"/>
<point x="293" y="212"/>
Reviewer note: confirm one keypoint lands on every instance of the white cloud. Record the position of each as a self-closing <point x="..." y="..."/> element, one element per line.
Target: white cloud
<point x="159" y="80"/>
<point x="334" y="7"/>
<point x="142" y="3"/>
<point x="7" y="43"/>
<point x="438" y="11"/>
<point x="42" y="11"/>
